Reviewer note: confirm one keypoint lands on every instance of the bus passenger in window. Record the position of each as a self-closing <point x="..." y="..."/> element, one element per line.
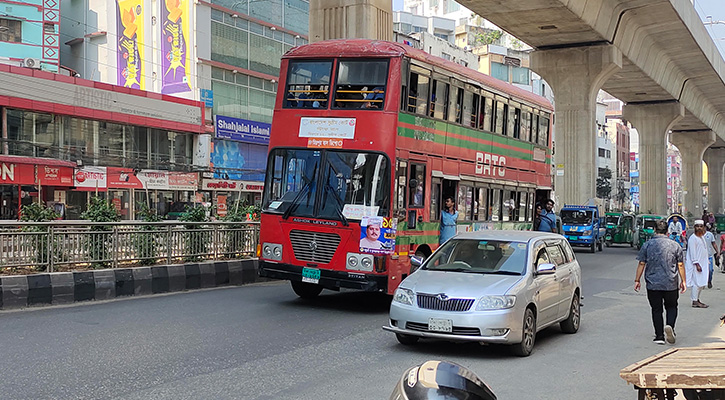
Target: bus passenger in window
<point x="313" y="98"/>
<point x="291" y="99"/>
<point x="374" y="99"/>
<point x="449" y="216"/>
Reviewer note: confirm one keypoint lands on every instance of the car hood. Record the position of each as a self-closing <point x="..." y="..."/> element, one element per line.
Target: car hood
<point x="459" y="284"/>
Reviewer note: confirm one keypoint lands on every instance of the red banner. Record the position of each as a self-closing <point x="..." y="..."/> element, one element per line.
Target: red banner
<point x="17" y="174"/>
<point x="123" y="178"/>
<point x="55" y="176"/>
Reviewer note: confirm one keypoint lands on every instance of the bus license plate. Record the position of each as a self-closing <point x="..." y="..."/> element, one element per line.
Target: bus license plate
<point x="310" y="275"/>
<point x="440" y="325"/>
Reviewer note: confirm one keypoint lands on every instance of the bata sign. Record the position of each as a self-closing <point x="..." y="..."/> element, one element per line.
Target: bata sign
<point x="224" y="185"/>
<point x="19" y="174"/>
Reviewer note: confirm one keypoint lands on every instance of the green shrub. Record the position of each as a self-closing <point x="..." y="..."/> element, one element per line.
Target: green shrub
<point x="36" y="212"/>
<point x="99" y="244"/>
<point x="147" y="241"/>
<point x="196" y="241"/>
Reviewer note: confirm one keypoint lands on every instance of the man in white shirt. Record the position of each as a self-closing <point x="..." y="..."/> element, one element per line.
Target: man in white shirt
<point x="372" y="234"/>
<point x="696" y="264"/>
<point x="712" y="250"/>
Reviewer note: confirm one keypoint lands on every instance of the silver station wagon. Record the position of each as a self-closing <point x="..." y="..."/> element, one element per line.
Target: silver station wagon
<point x="490" y="287"/>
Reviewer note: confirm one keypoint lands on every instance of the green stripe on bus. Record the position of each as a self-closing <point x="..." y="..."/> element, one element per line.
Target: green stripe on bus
<point x="465" y="144"/>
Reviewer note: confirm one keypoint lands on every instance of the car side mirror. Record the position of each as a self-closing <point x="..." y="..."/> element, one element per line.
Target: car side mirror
<point x="545" y="269"/>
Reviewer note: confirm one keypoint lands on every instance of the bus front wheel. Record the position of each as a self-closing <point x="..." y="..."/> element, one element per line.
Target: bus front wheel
<point x="306" y="290"/>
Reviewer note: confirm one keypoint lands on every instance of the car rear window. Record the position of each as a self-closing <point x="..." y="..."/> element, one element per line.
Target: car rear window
<point x="480" y="256"/>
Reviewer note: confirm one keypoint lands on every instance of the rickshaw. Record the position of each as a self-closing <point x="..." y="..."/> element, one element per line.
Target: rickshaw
<point x="681" y="238"/>
<point x="720" y="222"/>
<point x="619" y="228"/>
<point x="645" y="229"/>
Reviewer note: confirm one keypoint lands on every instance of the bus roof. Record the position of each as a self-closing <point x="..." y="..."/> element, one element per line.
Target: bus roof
<point x="379" y="48"/>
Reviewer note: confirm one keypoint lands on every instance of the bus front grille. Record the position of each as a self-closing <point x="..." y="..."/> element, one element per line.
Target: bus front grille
<point x="316" y="247"/>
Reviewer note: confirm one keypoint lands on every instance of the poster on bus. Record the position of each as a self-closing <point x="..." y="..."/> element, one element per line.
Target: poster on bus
<point x="377" y="235"/>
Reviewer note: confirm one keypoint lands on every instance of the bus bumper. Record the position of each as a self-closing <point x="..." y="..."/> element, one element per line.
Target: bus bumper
<point x="328" y="279"/>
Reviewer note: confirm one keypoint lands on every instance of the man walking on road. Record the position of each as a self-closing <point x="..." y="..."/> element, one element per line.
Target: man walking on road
<point x="696" y="264"/>
<point x="712" y="251"/>
<point x="660" y="259"/>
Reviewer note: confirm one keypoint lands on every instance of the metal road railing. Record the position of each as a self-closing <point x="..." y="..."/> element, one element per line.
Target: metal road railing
<point x="66" y="245"/>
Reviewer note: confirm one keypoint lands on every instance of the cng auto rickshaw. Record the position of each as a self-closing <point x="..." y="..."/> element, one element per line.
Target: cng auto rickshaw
<point x="720" y="222"/>
<point x="619" y="228"/>
<point x="645" y="229"/>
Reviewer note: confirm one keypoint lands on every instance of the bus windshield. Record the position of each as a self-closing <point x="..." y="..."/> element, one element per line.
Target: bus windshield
<point x="576" y="217"/>
<point x="337" y="185"/>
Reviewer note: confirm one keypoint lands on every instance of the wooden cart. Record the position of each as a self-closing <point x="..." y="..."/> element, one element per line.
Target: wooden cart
<point x="698" y="372"/>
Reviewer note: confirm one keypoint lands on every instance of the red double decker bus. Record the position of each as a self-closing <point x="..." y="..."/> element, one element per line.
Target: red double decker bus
<point x="368" y="137"/>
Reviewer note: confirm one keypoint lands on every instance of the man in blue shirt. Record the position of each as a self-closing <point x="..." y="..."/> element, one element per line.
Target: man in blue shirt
<point x="548" y="218"/>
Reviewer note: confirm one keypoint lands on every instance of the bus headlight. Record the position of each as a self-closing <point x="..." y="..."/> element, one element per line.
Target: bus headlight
<point x="352" y="261"/>
<point x="272" y="251"/>
<point x="366" y="263"/>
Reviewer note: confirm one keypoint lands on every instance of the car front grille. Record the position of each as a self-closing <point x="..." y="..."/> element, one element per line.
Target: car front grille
<point x="457" y="330"/>
<point x="432" y="302"/>
<point x="316" y="247"/>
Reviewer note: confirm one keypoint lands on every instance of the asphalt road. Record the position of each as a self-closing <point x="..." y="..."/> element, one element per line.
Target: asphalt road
<point x="262" y="342"/>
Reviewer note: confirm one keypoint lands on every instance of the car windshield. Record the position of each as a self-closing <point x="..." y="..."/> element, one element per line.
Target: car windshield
<point x="612" y="219"/>
<point x="479" y="257"/>
<point x="576" y="217"/>
<point x="338" y="185"/>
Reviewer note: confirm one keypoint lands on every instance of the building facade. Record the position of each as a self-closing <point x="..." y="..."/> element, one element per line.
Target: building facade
<point x="29" y="34"/>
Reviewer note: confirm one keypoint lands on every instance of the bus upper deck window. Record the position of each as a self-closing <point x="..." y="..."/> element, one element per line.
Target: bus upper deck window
<point x="308" y="84"/>
<point x="361" y="84"/>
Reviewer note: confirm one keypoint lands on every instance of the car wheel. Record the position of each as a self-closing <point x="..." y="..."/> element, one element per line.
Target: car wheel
<point x="600" y="246"/>
<point x="406" y="340"/>
<point x="571" y="323"/>
<point x="306" y="290"/>
<point x="528" y="335"/>
<point x="593" y="247"/>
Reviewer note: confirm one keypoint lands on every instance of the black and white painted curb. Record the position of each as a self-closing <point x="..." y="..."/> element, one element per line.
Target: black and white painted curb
<point x="68" y="287"/>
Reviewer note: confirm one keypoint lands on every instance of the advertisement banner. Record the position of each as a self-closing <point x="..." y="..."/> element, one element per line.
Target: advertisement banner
<point x="55" y="176"/>
<point x="122" y="178"/>
<point x="331" y="128"/>
<point x="228" y="185"/>
<point x="241" y="129"/>
<point x="221" y="205"/>
<point x="91" y="178"/>
<point x="154" y="179"/>
<point x="183" y="181"/>
<point x="175" y="57"/>
<point x="17" y="174"/>
<point x="130" y="43"/>
<point x="377" y="235"/>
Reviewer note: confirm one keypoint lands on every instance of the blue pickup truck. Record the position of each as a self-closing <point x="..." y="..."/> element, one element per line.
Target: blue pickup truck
<point x="581" y="226"/>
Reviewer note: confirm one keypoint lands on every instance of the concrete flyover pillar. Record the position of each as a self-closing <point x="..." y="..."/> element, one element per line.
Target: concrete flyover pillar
<point x="715" y="160"/>
<point x="692" y="146"/>
<point x="576" y="75"/>
<point x="653" y="122"/>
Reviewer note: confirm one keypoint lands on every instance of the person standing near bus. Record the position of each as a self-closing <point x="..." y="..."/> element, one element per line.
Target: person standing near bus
<point x="548" y="218"/>
<point x="449" y="216"/>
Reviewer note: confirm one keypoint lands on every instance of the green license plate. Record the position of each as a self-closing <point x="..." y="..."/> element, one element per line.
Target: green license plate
<point x="310" y="275"/>
<point x="573" y="237"/>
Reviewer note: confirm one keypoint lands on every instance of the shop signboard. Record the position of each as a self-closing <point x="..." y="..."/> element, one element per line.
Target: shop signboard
<point x="152" y="180"/>
<point x="183" y="181"/>
<point x="55" y="176"/>
<point x="229" y="185"/>
<point x="168" y="180"/>
<point x="241" y="129"/>
<point x="123" y="178"/>
<point x="90" y="178"/>
<point x="17" y="174"/>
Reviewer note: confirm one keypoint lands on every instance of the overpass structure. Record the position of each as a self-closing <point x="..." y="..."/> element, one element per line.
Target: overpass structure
<point x="654" y="55"/>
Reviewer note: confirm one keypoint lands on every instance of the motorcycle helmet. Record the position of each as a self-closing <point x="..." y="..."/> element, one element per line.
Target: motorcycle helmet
<point x="441" y="380"/>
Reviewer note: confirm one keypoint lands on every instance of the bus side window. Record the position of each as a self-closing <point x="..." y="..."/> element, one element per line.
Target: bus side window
<point x="435" y="200"/>
<point x="416" y="185"/>
<point x="400" y="188"/>
<point x="418" y="93"/>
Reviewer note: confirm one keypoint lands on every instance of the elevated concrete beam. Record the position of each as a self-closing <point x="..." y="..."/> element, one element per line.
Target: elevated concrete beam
<point x="576" y="75"/>
<point x="692" y="146"/>
<point x="715" y="160"/>
<point x="653" y="122"/>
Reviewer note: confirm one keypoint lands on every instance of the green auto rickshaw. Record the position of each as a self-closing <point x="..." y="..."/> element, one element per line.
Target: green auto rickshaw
<point x="644" y="228"/>
<point x="720" y="222"/>
<point x="620" y="228"/>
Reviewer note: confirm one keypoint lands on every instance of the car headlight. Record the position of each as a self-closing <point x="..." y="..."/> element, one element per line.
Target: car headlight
<point x="403" y="296"/>
<point x="587" y="233"/>
<point x="495" y="303"/>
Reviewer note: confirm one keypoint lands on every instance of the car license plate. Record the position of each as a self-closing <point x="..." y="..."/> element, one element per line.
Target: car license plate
<point x="310" y="275"/>
<point x="440" y="325"/>
<point x="573" y="237"/>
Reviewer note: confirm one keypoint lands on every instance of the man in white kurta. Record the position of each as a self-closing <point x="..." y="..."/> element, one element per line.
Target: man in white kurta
<point x="697" y="264"/>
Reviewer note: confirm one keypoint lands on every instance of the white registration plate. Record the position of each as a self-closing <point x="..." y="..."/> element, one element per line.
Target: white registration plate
<point x="440" y="325"/>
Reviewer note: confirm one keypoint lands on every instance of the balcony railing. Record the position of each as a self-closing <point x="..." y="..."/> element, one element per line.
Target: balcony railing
<point x="71" y="245"/>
